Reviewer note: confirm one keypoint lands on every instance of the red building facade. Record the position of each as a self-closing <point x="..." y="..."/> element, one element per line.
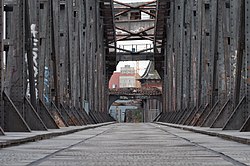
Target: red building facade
<point x="117" y="77"/>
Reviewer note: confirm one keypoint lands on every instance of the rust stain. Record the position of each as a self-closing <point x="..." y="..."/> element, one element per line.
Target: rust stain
<point x="58" y="120"/>
<point x="248" y="80"/>
<point x="73" y="121"/>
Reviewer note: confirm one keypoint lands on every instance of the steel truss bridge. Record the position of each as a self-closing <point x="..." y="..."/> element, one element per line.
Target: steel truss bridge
<point x="57" y="57"/>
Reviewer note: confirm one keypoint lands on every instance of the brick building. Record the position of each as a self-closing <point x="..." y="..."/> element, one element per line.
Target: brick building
<point x="124" y="79"/>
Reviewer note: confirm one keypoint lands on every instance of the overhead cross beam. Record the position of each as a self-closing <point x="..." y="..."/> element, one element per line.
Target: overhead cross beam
<point x="141" y="8"/>
<point x="140" y="34"/>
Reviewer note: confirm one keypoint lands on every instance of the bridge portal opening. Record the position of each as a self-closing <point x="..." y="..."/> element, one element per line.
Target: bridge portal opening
<point x="135" y="95"/>
<point x="135" y="81"/>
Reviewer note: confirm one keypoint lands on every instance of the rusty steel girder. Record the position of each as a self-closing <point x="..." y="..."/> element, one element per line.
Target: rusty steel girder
<point x="206" y="77"/>
<point x="52" y="64"/>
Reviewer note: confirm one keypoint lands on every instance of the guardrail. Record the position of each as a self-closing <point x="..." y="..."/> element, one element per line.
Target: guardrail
<point x="135" y="48"/>
<point x="136" y="91"/>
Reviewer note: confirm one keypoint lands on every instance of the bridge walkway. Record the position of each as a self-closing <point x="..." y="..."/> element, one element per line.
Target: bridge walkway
<point x="129" y="145"/>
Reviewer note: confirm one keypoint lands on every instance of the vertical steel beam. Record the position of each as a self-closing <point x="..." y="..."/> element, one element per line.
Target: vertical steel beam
<point x="241" y="112"/>
<point x="187" y="58"/>
<point x="218" y="80"/>
<point x="233" y="107"/>
<point x="57" y="70"/>
<point x="63" y="53"/>
<point x="179" y="32"/>
<point x="43" y="48"/>
<point x="81" y="33"/>
<point x="83" y="61"/>
<point x="54" y="48"/>
<point x="218" y="83"/>
<point x="234" y="13"/>
<point x="15" y="79"/>
<point x="29" y="51"/>
<point x="193" y="52"/>
<point x="214" y="53"/>
<point x="41" y="24"/>
<point x="199" y="53"/>
<point x="172" y="61"/>
<point x="209" y="62"/>
<point x="246" y="125"/>
<point x="1" y="67"/>
<point x="33" y="7"/>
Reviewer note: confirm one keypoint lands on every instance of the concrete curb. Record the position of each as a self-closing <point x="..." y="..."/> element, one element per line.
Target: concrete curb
<point x="15" y="142"/>
<point x="210" y="133"/>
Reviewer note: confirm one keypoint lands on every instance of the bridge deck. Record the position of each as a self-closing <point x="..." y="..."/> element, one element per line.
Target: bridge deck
<point x="129" y="144"/>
